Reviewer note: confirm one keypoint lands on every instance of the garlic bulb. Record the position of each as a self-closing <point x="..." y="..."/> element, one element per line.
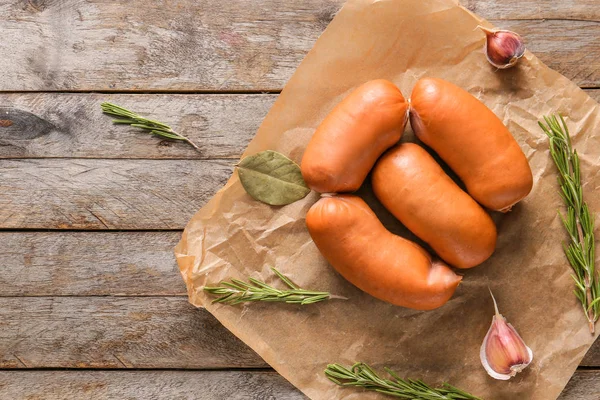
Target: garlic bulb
<point x="503" y="48"/>
<point x="503" y="353"/>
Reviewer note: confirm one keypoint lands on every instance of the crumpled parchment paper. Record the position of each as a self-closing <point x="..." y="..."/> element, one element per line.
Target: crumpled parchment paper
<point x="233" y="236"/>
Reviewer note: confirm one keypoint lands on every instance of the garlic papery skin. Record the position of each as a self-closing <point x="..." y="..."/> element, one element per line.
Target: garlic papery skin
<point x="503" y="352"/>
<point x="503" y="48"/>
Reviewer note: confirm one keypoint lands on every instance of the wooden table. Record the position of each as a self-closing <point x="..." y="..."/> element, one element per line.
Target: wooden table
<point x="92" y="305"/>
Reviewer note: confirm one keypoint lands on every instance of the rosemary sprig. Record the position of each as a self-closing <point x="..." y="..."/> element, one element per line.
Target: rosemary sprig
<point x="362" y="375"/>
<point x="236" y="292"/>
<point x="124" y="116"/>
<point x="578" y="221"/>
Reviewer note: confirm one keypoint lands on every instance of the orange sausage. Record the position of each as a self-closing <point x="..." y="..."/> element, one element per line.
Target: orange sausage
<point x="413" y="187"/>
<point x="347" y="143"/>
<point x="386" y="266"/>
<point x="472" y="141"/>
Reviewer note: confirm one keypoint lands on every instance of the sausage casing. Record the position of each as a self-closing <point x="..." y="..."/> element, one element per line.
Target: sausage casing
<point x="417" y="191"/>
<point x="356" y="132"/>
<point x="351" y="237"/>
<point x="473" y="141"/>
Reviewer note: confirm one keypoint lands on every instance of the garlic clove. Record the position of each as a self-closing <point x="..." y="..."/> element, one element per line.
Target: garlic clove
<point x="503" y="353"/>
<point x="503" y="48"/>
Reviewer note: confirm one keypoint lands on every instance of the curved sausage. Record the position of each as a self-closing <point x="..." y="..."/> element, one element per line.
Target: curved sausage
<point x="472" y="141"/>
<point x="386" y="266"/>
<point x="413" y="187"/>
<point x="358" y="130"/>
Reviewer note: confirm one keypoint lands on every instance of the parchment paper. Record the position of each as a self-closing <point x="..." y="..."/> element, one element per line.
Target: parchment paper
<point x="235" y="236"/>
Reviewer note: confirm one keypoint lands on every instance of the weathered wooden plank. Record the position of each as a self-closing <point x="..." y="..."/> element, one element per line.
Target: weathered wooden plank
<point x="198" y="385"/>
<point x="140" y="44"/>
<point x="584" y="385"/>
<point x="115" y="332"/>
<point x="592" y="358"/>
<point x="109" y="194"/>
<point x="232" y="45"/>
<point x="121" y="332"/>
<point x="102" y="264"/>
<point x="72" y="125"/>
<point x="569" y="47"/>
<point x="587" y="10"/>
<point x="89" y="264"/>
<point x="143" y="385"/>
<point x="45" y="125"/>
<point x="106" y="194"/>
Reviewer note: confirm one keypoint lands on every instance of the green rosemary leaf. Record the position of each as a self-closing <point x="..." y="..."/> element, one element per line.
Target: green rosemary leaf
<point x="258" y="283"/>
<point x="123" y="121"/>
<point x="241" y="284"/>
<point x="126" y="117"/>
<point x="237" y="291"/>
<point x="223" y="299"/>
<point x="285" y="279"/>
<point x="579" y="221"/>
<point x="363" y="376"/>
<point x="166" y="134"/>
<point x="315" y="299"/>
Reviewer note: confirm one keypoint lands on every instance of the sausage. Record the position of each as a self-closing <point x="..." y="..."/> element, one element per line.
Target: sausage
<point x="349" y="235"/>
<point x="472" y="141"/>
<point x="413" y="187"/>
<point x="358" y="130"/>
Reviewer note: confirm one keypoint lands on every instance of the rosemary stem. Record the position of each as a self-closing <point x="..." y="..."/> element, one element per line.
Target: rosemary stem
<point x="588" y="271"/>
<point x="586" y="280"/>
<point x="361" y="375"/>
<point x="194" y="145"/>
<point x="578" y="221"/>
<point x="124" y="116"/>
<point x="236" y="292"/>
<point x="590" y="311"/>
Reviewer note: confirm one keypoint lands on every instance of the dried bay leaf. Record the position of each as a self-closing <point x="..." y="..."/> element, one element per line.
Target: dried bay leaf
<point x="272" y="178"/>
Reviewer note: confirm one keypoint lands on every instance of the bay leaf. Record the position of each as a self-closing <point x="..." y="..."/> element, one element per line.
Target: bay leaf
<point x="272" y="178"/>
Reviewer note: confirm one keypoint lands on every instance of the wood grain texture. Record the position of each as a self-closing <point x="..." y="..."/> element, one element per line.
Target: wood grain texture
<point x="569" y="47"/>
<point x="233" y="45"/>
<point x="592" y="358"/>
<point x="172" y="45"/>
<point x="191" y="385"/>
<point x="89" y="264"/>
<point x="106" y="194"/>
<point x="49" y="264"/>
<point x="47" y="125"/>
<point x="584" y="10"/>
<point x="122" y="332"/>
<point x="113" y="332"/>
<point x="144" y="385"/>
<point x="72" y="125"/>
<point x="584" y="385"/>
<point x="110" y="194"/>
<point x="159" y="45"/>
